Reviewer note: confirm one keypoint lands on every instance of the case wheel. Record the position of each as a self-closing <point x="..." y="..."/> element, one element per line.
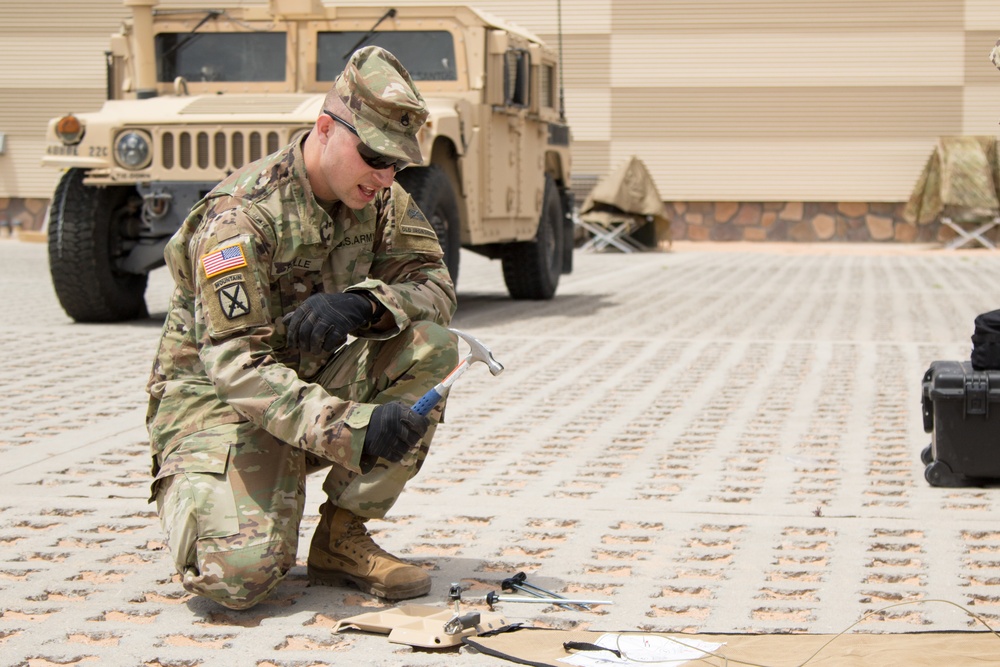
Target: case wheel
<point x="938" y="473"/>
<point x="926" y="455"/>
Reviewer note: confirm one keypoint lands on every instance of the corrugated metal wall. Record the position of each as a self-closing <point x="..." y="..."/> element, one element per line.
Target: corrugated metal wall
<point x="780" y="100"/>
<point x="51" y="62"/>
<point x="724" y="100"/>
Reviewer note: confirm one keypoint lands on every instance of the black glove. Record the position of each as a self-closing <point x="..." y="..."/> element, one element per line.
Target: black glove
<point x="393" y="430"/>
<point x="323" y="321"/>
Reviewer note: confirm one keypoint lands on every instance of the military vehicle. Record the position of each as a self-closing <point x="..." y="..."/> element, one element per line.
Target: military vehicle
<point x="194" y="94"/>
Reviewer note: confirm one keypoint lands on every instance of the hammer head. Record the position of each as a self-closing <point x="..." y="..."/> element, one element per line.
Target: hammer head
<point x="479" y="352"/>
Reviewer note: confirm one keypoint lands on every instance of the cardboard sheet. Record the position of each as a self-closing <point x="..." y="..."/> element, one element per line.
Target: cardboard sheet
<point x="535" y="646"/>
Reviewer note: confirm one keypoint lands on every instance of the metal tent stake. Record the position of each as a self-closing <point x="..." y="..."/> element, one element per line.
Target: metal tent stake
<point x="492" y="597"/>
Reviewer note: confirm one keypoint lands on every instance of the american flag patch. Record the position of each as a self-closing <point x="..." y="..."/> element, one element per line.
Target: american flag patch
<point x="230" y="257"/>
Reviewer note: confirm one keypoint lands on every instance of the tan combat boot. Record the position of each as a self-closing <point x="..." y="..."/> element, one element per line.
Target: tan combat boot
<point x="342" y="550"/>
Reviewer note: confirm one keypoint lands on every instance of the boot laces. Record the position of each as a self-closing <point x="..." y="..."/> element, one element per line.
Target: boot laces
<point x="357" y="536"/>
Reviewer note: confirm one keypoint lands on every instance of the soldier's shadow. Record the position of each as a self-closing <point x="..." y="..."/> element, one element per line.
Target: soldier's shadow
<point x="152" y="321"/>
<point x="320" y="607"/>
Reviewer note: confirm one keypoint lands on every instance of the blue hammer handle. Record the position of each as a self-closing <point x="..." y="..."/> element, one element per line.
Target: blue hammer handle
<point x="427" y="401"/>
<point x="431" y="398"/>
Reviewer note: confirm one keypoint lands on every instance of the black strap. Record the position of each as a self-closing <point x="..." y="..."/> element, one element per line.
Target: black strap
<point x="584" y="646"/>
<point x="511" y="627"/>
<point x="487" y="650"/>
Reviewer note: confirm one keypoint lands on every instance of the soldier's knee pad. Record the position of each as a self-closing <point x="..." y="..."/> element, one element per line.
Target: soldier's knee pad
<point x="433" y="341"/>
<point x="240" y="578"/>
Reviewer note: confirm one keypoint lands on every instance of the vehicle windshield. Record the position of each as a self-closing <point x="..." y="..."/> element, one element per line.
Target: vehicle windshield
<point x="426" y="55"/>
<point x="220" y="56"/>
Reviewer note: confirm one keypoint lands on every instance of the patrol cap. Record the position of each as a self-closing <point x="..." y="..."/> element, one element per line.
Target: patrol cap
<point x="387" y="108"/>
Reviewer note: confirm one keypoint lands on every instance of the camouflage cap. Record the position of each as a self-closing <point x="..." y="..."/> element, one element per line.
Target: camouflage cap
<point x="387" y="108"/>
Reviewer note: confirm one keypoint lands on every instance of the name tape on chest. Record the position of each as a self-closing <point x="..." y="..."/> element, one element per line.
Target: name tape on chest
<point x="222" y="260"/>
<point x="304" y="264"/>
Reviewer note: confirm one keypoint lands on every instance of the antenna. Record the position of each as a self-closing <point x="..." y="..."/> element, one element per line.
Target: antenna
<point x="562" y="99"/>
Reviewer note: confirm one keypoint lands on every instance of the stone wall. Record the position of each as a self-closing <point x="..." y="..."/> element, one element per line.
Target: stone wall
<point x="807" y="222"/>
<point x="17" y="213"/>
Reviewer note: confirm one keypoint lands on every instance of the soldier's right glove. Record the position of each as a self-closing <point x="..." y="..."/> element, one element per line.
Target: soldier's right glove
<point x="393" y="430"/>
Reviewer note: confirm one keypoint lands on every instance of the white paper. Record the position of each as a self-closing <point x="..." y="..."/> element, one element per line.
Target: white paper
<point x="638" y="649"/>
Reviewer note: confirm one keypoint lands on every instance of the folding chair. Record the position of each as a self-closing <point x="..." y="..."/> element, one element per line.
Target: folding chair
<point x="611" y="228"/>
<point x="974" y="236"/>
<point x="619" y="205"/>
<point x="958" y="189"/>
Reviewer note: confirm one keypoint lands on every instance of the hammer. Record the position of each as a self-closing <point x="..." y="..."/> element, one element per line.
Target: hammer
<point x="477" y="352"/>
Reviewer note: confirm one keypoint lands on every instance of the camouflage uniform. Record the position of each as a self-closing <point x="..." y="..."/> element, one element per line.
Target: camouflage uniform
<point x="237" y="418"/>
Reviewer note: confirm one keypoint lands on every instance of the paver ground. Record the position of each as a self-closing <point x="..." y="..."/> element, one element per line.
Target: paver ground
<point x="717" y="438"/>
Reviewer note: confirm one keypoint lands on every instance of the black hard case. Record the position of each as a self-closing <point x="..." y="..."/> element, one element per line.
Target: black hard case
<point x="961" y="408"/>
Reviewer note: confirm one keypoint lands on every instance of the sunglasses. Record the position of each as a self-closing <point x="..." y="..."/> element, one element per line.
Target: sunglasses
<point x="371" y="158"/>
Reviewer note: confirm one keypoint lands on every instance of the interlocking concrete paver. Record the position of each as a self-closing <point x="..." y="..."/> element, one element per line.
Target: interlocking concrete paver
<point x="718" y="438"/>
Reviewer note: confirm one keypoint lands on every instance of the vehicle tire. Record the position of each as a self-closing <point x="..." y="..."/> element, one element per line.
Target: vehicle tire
<point x="531" y="269"/>
<point x="88" y="234"/>
<point x="431" y="190"/>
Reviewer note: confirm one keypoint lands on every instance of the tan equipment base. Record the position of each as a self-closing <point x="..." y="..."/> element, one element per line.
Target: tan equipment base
<point x="538" y="647"/>
<point x="419" y="625"/>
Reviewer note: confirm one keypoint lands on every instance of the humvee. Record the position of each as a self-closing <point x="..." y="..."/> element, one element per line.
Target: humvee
<point x="194" y="94"/>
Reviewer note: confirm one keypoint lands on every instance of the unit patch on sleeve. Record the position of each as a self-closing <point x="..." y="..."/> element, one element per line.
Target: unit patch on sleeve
<point x="412" y="231"/>
<point x="233" y="297"/>
<point x="416" y="225"/>
<point x="222" y="260"/>
<point x="235" y="304"/>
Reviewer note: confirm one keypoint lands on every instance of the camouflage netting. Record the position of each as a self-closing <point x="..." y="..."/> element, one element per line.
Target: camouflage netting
<point x="626" y="195"/>
<point x="960" y="181"/>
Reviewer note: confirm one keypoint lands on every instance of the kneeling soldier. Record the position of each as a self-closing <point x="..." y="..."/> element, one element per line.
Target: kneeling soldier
<point x="256" y="382"/>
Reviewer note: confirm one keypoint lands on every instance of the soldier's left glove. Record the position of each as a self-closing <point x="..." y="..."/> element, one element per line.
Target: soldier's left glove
<point x="392" y="430"/>
<point x="323" y="321"/>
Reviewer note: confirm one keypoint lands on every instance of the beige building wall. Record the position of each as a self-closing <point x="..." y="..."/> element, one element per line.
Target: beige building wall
<point x="778" y="101"/>
<point x="724" y="100"/>
<point x="51" y="62"/>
